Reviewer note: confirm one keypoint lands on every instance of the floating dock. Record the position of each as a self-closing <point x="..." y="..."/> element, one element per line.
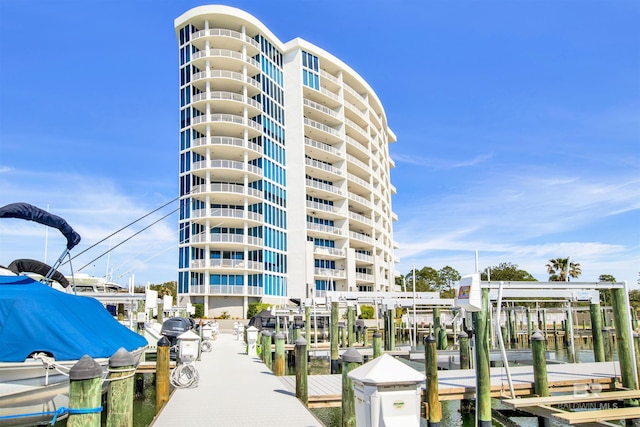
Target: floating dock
<point x="234" y="389"/>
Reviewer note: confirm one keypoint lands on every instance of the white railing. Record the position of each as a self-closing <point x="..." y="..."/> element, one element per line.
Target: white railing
<point x="225" y="53"/>
<point x="364" y="257"/>
<point x="357" y="127"/>
<point x="364" y="276"/>
<point x="213" y="74"/>
<point x="354" y="93"/>
<point x="359" y="199"/>
<point x="225" y="33"/>
<point x="226" y="140"/>
<point x="356" y="144"/>
<point x="320" y="107"/>
<point x="322" y="207"/>
<point x="328" y="93"/>
<point x="323" y="186"/>
<point x="320" y="126"/>
<point x="227" y="118"/>
<point x="226" y="213"/>
<point x="228" y="96"/>
<point x="360" y="218"/>
<point x="226" y="289"/>
<point x="329" y="77"/>
<point x="358" y="162"/>
<point x="360" y="236"/>
<point x="321" y="146"/>
<point x="357" y="179"/>
<point x="324" y="228"/>
<point x="329" y="272"/>
<point x="323" y="250"/>
<point x="323" y="166"/>
<point x="356" y="110"/>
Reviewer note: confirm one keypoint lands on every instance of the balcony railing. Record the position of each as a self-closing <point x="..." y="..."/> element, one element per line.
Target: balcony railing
<point x="322" y="186"/>
<point x="225" y="53"/>
<point x="321" y="146"/>
<point x="320" y="107"/>
<point x="364" y="276"/>
<point x="226" y="213"/>
<point x="360" y="218"/>
<point x="227" y="164"/>
<point x="324" y="228"/>
<point x="225" y="33"/>
<point x="322" y="207"/>
<point x="364" y="257"/>
<point x="361" y="237"/>
<point x="329" y="272"/>
<point x="227" y="118"/>
<point x="323" y="166"/>
<point x="226" y="140"/>
<point x="357" y="179"/>
<point x="324" y="250"/>
<point x="227" y="96"/>
<point x="213" y="74"/>
<point x="227" y="263"/>
<point x="330" y="77"/>
<point x="359" y="199"/>
<point x="320" y="126"/>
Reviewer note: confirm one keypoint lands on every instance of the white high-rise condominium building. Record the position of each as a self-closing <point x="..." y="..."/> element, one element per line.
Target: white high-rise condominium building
<point x="285" y="189"/>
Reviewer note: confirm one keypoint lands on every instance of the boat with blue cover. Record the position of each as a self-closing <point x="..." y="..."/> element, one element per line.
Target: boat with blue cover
<point x="45" y="331"/>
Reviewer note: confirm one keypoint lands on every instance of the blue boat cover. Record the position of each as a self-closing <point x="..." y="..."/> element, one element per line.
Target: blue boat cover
<point x="35" y="317"/>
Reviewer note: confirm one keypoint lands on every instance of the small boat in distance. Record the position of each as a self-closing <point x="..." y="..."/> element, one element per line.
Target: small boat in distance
<point x="45" y="331"/>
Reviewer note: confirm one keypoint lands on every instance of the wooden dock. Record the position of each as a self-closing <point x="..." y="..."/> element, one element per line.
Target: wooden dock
<point x="326" y="390"/>
<point x="234" y="389"/>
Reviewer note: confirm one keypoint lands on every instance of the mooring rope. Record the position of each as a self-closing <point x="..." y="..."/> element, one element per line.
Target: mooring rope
<point x="185" y="376"/>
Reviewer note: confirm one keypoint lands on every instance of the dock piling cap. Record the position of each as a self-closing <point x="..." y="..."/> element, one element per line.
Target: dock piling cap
<point x="386" y="370"/>
<point x="85" y="369"/>
<point x="120" y="359"/>
<point x="537" y="335"/>
<point x="279" y="336"/>
<point x="301" y="341"/>
<point x="351" y="355"/>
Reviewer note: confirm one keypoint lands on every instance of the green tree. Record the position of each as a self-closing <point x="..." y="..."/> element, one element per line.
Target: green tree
<point x="256" y="307"/>
<point x="427" y="280"/>
<point x="558" y="269"/>
<point x="606" y="293"/>
<point x="366" y="312"/>
<point x="634" y="299"/>
<point x="166" y="288"/>
<point x="506" y="271"/>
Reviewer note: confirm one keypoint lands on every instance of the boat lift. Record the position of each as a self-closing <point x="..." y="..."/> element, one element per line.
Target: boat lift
<point x="568" y="291"/>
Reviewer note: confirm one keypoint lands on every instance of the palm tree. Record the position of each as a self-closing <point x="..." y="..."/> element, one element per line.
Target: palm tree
<point x="557" y="269"/>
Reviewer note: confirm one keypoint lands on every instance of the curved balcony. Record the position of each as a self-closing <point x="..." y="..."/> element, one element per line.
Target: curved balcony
<point x="231" y="217"/>
<point x="227" y="100"/>
<point x="226" y="170"/>
<point x="320" y="113"/>
<point x="328" y="253"/>
<point x="364" y="277"/>
<point x="314" y="229"/>
<point x="226" y="59"/>
<point x="356" y="131"/>
<point x="320" y="150"/>
<point x="324" y="189"/>
<point x="353" y="96"/>
<point x="229" y="81"/>
<point x="228" y="193"/>
<point x="329" y="272"/>
<point x="321" y="132"/>
<point x="364" y="258"/>
<point x="226" y="124"/>
<point x="328" y="211"/>
<point x="359" y="200"/>
<point x="225" y="264"/>
<point x="324" y="167"/>
<point x="361" y="166"/>
<point x="361" y="219"/>
<point x="226" y="239"/>
<point x="323" y="96"/>
<point x="355" y="114"/>
<point x="361" y="183"/>
<point x="226" y="147"/>
<point x="361" y="148"/>
<point x="228" y="39"/>
<point x="361" y="237"/>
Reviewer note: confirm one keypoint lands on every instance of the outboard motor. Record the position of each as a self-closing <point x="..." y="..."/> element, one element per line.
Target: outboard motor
<point x="175" y="326"/>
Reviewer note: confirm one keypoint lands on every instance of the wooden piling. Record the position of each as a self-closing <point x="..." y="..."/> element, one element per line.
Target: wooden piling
<point x="120" y="391"/>
<point x="268" y="355"/>
<point x="463" y="342"/>
<point x="162" y="373"/>
<point x="636" y="340"/>
<point x="350" y="325"/>
<point x="596" y="332"/>
<point x="302" y="390"/>
<point x="483" y="376"/>
<point x="160" y="317"/>
<point x="343" y="335"/>
<point x="377" y="344"/>
<point x="307" y="326"/>
<point x="443" y="339"/>
<point x="540" y="380"/>
<point x="528" y="326"/>
<point x="392" y="332"/>
<point x="351" y="359"/>
<point x="436" y="326"/>
<point x="365" y="337"/>
<point x="432" y="403"/>
<point x="623" y="338"/>
<point x="278" y="365"/>
<point x="85" y="393"/>
<point x="335" y="310"/>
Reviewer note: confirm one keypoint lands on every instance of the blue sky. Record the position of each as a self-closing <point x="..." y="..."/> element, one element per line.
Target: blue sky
<point x="518" y="125"/>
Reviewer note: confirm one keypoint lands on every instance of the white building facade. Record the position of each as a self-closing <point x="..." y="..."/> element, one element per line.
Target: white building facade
<point x="285" y="187"/>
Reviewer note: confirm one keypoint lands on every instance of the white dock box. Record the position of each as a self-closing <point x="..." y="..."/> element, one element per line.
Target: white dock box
<point x="188" y="346"/>
<point x="387" y="393"/>
<point x="469" y="294"/>
<point x="252" y="337"/>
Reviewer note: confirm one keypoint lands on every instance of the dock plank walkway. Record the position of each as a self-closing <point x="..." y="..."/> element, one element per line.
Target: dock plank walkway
<point x="326" y="390"/>
<point x="235" y="390"/>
